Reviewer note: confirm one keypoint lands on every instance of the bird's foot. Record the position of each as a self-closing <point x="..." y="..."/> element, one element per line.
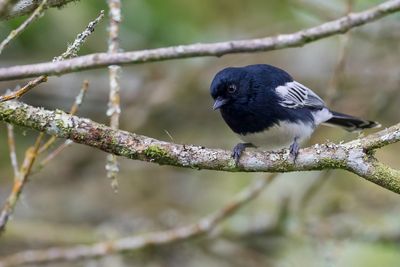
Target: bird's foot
<point x="294" y="149"/>
<point x="238" y="150"/>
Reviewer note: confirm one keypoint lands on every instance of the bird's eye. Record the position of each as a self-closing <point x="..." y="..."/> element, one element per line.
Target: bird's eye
<point x="232" y="88"/>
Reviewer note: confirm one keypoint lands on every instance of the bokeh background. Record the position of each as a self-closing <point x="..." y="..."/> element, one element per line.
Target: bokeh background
<point x="325" y="219"/>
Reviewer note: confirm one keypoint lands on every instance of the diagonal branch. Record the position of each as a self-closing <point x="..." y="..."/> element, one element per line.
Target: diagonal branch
<point x="202" y="227"/>
<point x="24" y="7"/>
<point x="14" y="33"/>
<point x="355" y="156"/>
<point x="295" y="39"/>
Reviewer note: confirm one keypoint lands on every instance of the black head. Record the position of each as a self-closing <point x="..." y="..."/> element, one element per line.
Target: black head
<point x="238" y="86"/>
<point x="229" y="86"/>
<point x="246" y="96"/>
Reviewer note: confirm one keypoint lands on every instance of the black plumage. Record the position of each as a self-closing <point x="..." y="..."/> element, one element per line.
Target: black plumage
<point x="261" y="99"/>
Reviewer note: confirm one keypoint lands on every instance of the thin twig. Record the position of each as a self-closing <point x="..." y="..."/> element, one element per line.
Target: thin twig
<point x="71" y="51"/>
<point x="25" y="89"/>
<point x="35" y="15"/>
<point x="114" y="108"/>
<point x="54" y="153"/>
<point x="19" y="182"/>
<point x="295" y="39"/>
<point x="200" y="228"/>
<point x="12" y="150"/>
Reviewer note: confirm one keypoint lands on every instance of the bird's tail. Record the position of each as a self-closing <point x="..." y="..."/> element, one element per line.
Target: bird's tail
<point x="350" y="123"/>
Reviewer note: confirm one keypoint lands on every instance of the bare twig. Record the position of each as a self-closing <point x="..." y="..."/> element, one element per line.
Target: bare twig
<point x="201" y="228"/>
<point x="55" y="153"/>
<point x="25" y="89"/>
<point x="79" y="98"/>
<point x="24" y="7"/>
<point x="114" y="108"/>
<point x="35" y="15"/>
<point x="71" y="51"/>
<point x="355" y="156"/>
<point x="11" y="147"/>
<point x="19" y="182"/>
<point x="299" y="38"/>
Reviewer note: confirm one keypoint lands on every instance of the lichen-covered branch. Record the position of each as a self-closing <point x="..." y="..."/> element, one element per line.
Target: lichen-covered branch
<point x="355" y="156"/>
<point x="202" y="227"/>
<point x="299" y="38"/>
<point x="24" y="7"/>
<point x="14" y="33"/>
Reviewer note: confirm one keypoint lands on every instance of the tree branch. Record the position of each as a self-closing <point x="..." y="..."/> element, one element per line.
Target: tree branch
<point x="355" y="156"/>
<point x="202" y="227"/>
<point x="14" y="33"/>
<point x="24" y="7"/>
<point x="299" y="38"/>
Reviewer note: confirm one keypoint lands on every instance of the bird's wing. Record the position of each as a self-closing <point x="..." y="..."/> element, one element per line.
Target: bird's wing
<point x="296" y="95"/>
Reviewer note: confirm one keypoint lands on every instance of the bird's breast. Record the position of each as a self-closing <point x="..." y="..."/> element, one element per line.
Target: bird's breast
<point x="280" y="135"/>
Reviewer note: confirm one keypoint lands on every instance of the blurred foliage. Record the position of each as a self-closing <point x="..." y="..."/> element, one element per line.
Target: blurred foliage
<point x="70" y="201"/>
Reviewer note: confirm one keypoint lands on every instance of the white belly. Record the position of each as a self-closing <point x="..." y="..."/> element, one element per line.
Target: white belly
<point x="280" y="136"/>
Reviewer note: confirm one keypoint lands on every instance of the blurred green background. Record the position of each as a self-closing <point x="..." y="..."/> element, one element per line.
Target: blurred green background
<point x="346" y="221"/>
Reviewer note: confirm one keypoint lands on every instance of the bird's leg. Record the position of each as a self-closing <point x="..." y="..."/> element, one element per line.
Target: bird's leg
<point x="294" y="148"/>
<point x="238" y="150"/>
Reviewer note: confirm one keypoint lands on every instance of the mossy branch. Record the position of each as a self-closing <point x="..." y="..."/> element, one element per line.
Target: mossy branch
<point x="354" y="156"/>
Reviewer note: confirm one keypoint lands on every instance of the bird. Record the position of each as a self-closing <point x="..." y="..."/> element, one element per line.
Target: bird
<point x="267" y="108"/>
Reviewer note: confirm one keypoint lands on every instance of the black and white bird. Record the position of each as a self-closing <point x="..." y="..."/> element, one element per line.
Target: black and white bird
<point x="267" y="108"/>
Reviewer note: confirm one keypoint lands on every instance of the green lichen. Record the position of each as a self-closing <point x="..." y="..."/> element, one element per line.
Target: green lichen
<point x="385" y="176"/>
<point x="159" y="155"/>
<point x="11" y="114"/>
<point x="231" y="165"/>
<point x="328" y="163"/>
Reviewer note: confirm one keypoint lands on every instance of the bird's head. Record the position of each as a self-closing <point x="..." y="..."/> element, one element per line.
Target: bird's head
<point x="230" y="86"/>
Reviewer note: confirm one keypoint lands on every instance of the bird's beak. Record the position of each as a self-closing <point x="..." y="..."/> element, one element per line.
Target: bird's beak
<point x="219" y="102"/>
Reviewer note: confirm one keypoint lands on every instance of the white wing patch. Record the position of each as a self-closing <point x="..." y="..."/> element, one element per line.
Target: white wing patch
<point x="296" y="95"/>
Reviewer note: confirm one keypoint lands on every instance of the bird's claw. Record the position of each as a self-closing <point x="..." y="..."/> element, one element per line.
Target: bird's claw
<point x="238" y="150"/>
<point x="294" y="149"/>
